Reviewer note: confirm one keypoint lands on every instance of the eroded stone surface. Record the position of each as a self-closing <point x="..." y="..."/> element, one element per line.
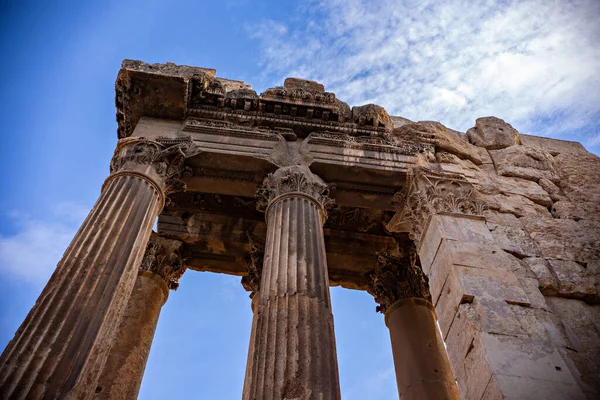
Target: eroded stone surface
<point x="548" y="283"/>
<point x="583" y="210"/>
<point x="438" y="134"/>
<point x="581" y="325"/>
<point x="525" y="162"/>
<point x="490" y="184"/>
<point x="372" y="114"/>
<point x="579" y="176"/>
<point x="573" y="279"/>
<point x="493" y="133"/>
<point x="298" y="83"/>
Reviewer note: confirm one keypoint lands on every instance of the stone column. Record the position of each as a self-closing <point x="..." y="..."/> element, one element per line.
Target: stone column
<point x="161" y="269"/>
<point x="61" y="347"/>
<point x="420" y="360"/>
<point x="292" y="348"/>
<point x="496" y="340"/>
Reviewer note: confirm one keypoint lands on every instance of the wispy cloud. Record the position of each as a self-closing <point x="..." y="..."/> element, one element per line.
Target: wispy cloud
<point x="533" y="63"/>
<point x="31" y="254"/>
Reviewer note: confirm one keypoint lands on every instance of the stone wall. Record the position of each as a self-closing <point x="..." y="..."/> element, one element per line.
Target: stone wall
<point x="543" y="213"/>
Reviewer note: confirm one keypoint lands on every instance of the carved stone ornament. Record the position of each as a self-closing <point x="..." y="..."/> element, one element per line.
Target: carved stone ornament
<point x="353" y="218"/>
<point x="160" y="160"/>
<point x="254" y="264"/>
<point x="163" y="258"/>
<point x="369" y="143"/>
<point x="428" y="192"/>
<point x="397" y="278"/>
<point x="293" y="180"/>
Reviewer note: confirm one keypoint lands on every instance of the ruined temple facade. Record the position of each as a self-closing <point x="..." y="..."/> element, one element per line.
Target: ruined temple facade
<point x="491" y="234"/>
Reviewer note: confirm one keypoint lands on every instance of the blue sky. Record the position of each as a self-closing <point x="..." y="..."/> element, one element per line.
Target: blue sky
<point x="533" y="63"/>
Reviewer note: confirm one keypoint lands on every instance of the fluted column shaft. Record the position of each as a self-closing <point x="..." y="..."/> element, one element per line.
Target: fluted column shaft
<point x="292" y="351"/>
<point x="61" y="347"/>
<point x="160" y="271"/>
<point x="124" y="368"/>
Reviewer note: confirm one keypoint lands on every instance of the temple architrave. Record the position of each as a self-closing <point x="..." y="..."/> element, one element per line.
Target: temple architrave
<point x="490" y="234"/>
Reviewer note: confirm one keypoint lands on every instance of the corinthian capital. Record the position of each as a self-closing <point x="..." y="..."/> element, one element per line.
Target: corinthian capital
<point x="397" y="278"/>
<point x="290" y="181"/>
<point x="428" y="192"/>
<point x="163" y="258"/>
<point x="159" y="160"/>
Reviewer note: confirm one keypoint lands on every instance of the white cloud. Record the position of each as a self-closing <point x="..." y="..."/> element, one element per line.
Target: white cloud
<point x="451" y="61"/>
<point x="31" y="254"/>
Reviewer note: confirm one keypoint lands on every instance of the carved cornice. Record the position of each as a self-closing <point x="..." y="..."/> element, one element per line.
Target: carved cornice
<point x="302" y="123"/>
<point x="295" y="180"/>
<point x="397" y="278"/>
<point x="160" y="161"/>
<point x="254" y="263"/>
<point x="227" y="129"/>
<point x="163" y="258"/>
<point x="429" y="192"/>
<point x="369" y="143"/>
<point x="301" y="96"/>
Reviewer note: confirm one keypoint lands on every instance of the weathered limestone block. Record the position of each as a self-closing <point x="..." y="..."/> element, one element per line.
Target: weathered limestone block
<point x="553" y="190"/>
<point x="553" y="146"/>
<point x="541" y="324"/>
<point x="444" y="157"/>
<point x="514" y="240"/>
<point x="493" y="133"/>
<point x="372" y="114"/>
<point x="515" y="205"/>
<point x="525" y="162"/>
<point x="581" y="324"/>
<point x="493" y="185"/>
<point x="579" y="176"/>
<point x="305" y="84"/>
<point x="531" y="287"/>
<point x="520" y="387"/>
<point x="582" y="210"/>
<point x="548" y="283"/>
<point x="169" y="68"/>
<point x="465" y="283"/>
<point x="438" y="134"/>
<point x="399" y="121"/>
<point x="468" y="230"/>
<point x="573" y="280"/>
<point x="564" y="239"/>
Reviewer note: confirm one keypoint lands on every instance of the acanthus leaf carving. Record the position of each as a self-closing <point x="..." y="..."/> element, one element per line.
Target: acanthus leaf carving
<point x="294" y="179"/>
<point x="428" y="192"/>
<point x="397" y="277"/>
<point x="163" y="258"/>
<point x="165" y="156"/>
